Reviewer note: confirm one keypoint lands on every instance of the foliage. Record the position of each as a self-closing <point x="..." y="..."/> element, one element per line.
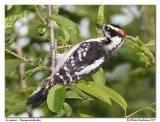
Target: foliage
<point x="31" y="71"/>
<point x="66" y="23"/>
<point x="102" y="92"/>
<point x="95" y="90"/>
<point x="11" y="64"/>
<point x="56" y="97"/>
<point x="133" y="89"/>
<point x="100" y="18"/>
<point x="98" y="76"/>
<point x="142" y="51"/>
<point x="76" y="93"/>
<point x="10" y="20"/>
<point x="17" y="108"/>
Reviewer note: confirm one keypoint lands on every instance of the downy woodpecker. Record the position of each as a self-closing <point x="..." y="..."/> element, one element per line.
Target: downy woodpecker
<point x="80" y="61"/>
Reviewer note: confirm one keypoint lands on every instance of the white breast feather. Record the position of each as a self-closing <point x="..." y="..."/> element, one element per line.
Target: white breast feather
<point x="87" y="69"/>
<point x="113" y="44"/>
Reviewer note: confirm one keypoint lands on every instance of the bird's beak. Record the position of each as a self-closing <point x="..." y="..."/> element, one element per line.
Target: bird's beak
<point x="99" y="26"/>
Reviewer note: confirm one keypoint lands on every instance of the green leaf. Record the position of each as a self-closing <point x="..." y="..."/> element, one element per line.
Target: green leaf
<point x="31" y="71"/>
<point x="116" y="97"/>
<point x="65" y="33"/>
<point x="141" y="51"/>
<point x="101" y="14"/>
<point x="17" y="108"/>
<point x="102" y="92"/>
<point x="68" y="109"/>
<point x="79" y="92"/>
<point x="55" y="9"/>
<point x="145" y="49"/>
<point x="151" y="43"/>
<point x="11" y="64"/>
<point x="33" y="63"/>
<point x="66" y="23"/>
<point x="95" y="89"/>
<point x="44" y="57"/>
<point x="11" y="20"/>
<point x="9" y="7"/>
<point x="28" y="90"/>
<point x="40" y="61"/>
<point x="11" y="98"/>
<point x="88" y="78"/>
<point x="41" y="29"/>
<point x="99" y="77"/>
<point x="72" y="94"/>
<point x="12" y="39"/>
<point x="100" y="18"/>
<point x="56" y="97"/>
<point x="61" y="113"/>
<point x="46" y="111"/>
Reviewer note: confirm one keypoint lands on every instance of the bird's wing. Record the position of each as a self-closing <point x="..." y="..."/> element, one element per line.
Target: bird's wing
<point x="84" y="60"/>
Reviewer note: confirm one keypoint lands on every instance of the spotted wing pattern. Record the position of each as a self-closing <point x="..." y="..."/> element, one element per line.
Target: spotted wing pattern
<point x="87" y="58"/>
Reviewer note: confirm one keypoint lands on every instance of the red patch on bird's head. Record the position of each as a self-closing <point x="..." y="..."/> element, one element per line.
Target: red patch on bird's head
<point x="121" y="32"/>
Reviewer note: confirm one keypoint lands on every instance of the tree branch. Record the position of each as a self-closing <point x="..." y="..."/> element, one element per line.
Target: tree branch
<point x="25" y="60"/>
<point x="51" y="36"/>
<point x="130" y="37"/>
<point x="39" y="15"/>
<point x="71" y="45"/>
<point x="18" y="56"/>
<point x="145" y="107"/>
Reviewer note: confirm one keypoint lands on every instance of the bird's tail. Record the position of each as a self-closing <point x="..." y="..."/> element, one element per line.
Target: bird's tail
<point x="37" y="98"/>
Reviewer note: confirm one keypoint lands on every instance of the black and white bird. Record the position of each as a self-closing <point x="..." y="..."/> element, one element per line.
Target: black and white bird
<point x="80" y="61"/>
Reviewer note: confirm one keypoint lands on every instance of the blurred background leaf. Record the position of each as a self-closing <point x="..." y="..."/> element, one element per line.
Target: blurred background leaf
<point x="10" y="20"/>
<point x="17" y="108"/>
<point x="10" y="65"/>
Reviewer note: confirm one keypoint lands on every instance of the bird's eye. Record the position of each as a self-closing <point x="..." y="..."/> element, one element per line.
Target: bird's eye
<point x="106" y="28"/>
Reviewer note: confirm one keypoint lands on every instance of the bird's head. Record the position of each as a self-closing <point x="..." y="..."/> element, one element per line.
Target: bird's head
<point x="110" y="30"/>
<point x="113" y="34"/>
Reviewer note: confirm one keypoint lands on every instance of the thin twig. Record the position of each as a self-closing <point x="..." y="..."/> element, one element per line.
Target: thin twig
<point x="18" y="56"/>
<point x="71" y="45"/>
<point x="125" y="113"/>
<point x="145" y="107"/>
<point x="130" y="37"/>
<point x="39" y="15"/>
<point x="51" y="36"/>
<point x="23" y="58"/>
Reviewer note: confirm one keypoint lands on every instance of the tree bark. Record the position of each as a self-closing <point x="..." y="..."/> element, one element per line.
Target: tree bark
<point x="52" y="40"/>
